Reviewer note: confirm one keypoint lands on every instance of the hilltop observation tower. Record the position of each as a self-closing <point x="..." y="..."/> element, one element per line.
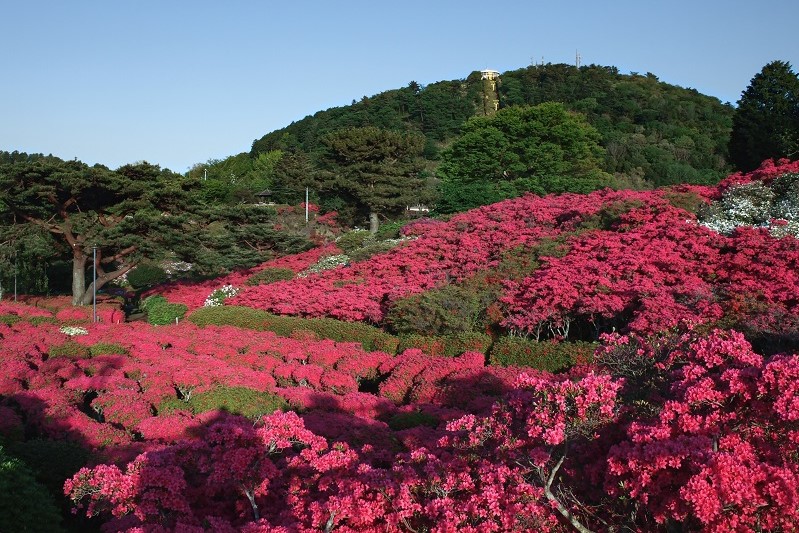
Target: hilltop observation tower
<point x="490" y="79"/>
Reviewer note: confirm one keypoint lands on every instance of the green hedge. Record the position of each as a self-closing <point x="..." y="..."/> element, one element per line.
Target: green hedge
<point x="70" y="349"/>
<point x="236" y="400"/>
<point x="160" y="312"/>
<point x="9" y="319"/>
<point x="107" y="348"/>
<point x="146" y="275"/>
<point x="549" y="356"/>
<point x="448" y="346"/>
<point x="370" y="337"/>
<point x="270" y="275"/>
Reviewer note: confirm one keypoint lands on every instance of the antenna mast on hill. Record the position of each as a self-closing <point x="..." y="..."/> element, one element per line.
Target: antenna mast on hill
<point x="577" y="58"/>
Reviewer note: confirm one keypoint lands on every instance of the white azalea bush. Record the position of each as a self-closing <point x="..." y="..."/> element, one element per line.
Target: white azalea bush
<point x="774" y="206"/>
<point x="326" y="263"/>
<point x="74" y="330"/>
<point x="218" y="297"/>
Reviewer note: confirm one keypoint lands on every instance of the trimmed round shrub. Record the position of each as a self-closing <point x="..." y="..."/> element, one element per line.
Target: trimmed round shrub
<point x="449" y="310"/>
<point x="230" y="315"/>
<point x="546" y="355"/>
<point x="151" y="301"/>
<point x="270" y="275"/>
<point x="390" y="230"/>
<point x="364" y="253"/>
<point x="70" y="349"/>
<point x="352" y="240"/>
<point x="9" y="319"/>
<point x="235" y="400"/>
<point x="107" y="348"/>
<point x="146" y="275"/>
<point x="161" y="312"/>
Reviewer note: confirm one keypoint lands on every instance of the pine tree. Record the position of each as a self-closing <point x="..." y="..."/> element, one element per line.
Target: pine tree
<point x="766" y="123"/>
<point x="378" y="169"/>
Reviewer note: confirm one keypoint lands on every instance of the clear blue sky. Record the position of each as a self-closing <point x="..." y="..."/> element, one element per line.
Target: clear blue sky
<point x="177" y="82"/>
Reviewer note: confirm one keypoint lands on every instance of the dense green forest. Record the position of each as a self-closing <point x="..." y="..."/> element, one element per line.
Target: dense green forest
<point x="648" y="133"/>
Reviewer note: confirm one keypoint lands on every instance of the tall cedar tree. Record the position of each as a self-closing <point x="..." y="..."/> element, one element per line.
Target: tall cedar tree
<point x="766" y="123"/>
<point x="379" y="169"/>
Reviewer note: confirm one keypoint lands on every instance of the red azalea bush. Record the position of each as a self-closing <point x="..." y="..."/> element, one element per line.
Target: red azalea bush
<point x="721" y="451"/>
<point x="193" y="295"/>
<point x="664" y="428"/>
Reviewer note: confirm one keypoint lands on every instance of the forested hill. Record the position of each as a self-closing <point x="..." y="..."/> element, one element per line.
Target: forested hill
<point x="649" y="130"/>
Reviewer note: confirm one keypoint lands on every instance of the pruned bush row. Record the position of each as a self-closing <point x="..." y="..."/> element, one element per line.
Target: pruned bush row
<point x="370" y="337"/>
<point x="547" y="355"/>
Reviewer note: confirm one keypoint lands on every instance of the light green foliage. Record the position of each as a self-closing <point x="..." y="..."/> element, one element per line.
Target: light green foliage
<point x="152" y="301"/>
<point x="237" y="178"/>
<point x="449" y="310"/>
<point x="160" y="312"/>
<point x="107" y="348"/>
<point x="69" y="349"/>
<point x="370" y="337"/>
<point x="352" y="240"/>
<point x="540" y="149"/>
<point x="360" y="245"/>
<point x="549" y="356"/>
<point x="235" y="400"/>
<point x="270" y="275"/>
<point x="447" y="345"/>
<point x="373" y="248"/>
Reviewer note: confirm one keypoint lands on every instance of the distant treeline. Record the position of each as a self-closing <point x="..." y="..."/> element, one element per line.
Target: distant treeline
<point x="650" y="130"/>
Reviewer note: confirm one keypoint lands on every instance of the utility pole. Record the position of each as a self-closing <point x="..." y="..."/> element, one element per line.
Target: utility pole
<point x="94" y="284"/>
<point x="306" y="206"/>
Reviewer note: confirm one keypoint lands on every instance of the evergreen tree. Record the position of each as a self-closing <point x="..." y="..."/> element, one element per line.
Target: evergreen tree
<point x="766" y="123"/>
<point x="378" y="169"/>
<point x="138" y="212"/>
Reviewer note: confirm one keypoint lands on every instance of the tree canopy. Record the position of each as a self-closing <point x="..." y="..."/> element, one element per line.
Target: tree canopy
<point x="652" y="133"/>
<point x="136" y="212"/>
<point x="377" y="169"/>
<point x="766" y="123"/>
<point x="541" y="149"/>
<point x="124" y="215"/>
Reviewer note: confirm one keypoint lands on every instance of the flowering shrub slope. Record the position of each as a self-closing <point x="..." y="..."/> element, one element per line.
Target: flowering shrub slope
<point x="675" y="422"/>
